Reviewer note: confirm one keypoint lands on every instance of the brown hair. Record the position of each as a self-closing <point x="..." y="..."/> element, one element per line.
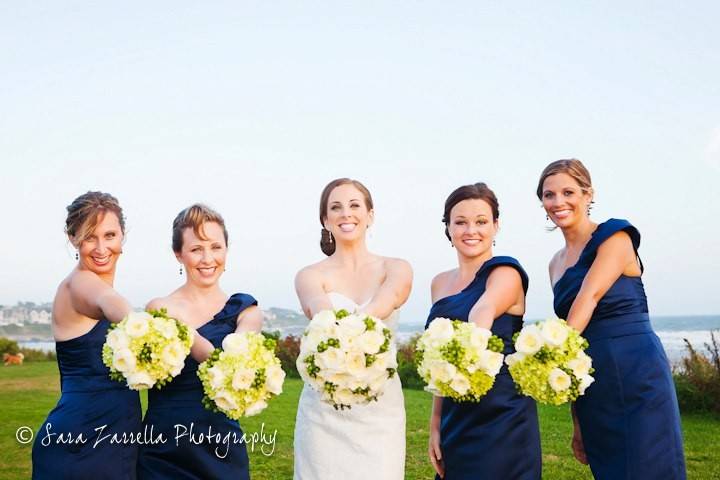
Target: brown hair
<point x="194" y="217"/>
<point x="572" y="167"/>
<point x="84" y="211"/>
<point x="326" y="243"/>
<point x="468" y="192"/>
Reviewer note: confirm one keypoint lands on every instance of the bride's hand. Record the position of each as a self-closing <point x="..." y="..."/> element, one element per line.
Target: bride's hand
<point x="434" y="451"/>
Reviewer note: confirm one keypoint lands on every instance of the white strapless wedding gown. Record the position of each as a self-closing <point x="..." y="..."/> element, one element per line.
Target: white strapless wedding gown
<point x="366" y="441"/>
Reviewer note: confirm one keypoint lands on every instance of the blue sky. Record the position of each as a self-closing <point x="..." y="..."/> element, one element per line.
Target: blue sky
<point x="252" y="107"/>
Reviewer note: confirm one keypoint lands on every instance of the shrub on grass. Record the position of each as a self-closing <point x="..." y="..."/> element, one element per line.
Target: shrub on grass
<point x="697" y="381"/>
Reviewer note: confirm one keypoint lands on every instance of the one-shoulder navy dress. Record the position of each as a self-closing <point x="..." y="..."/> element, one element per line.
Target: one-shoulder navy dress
<point x="497" y="437"/>
<point x="629" y="417"/>
<point x="177" y="408"/>
<point x="93" y="406"/>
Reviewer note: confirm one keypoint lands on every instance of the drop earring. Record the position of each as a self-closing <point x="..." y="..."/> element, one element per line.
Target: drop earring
<point x="180" y="269"/>
<point x="77" y="256"/>
<point x="494" y="242"/>
<point x="330" y="236"/>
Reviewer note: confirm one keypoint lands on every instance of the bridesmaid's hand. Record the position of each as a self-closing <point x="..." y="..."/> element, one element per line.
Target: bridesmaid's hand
<point x="435" y="453"/>
<point x="577" y="446"/>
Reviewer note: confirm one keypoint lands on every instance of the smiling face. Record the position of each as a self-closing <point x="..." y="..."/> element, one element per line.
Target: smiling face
<point x="564" y="200"/>
<point x="100" y="249"/>
<point x="347" y="216"/>
<point x="472" y="228"/>
<point x="203" y="258"/>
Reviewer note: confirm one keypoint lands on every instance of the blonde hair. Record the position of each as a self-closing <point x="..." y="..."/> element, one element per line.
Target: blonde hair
<point x="84" y="212"/>
<point x="194" y="217"/>
<point x="572" y="167"/>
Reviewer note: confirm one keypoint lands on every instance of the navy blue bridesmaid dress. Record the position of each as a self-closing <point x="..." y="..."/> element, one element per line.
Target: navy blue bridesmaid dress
<point x="91" y="406"/>
<point x="497" y="437"/>
<point x="629" y="417"/>
<point x="176" y="412"/>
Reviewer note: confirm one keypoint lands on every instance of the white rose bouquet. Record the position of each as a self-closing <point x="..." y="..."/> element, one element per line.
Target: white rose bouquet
<point x="239" y="379"/>
<point x="458" y="359"/>
<point x="550" y="364"/>
<point x="347" y="358"/>
<point x="146" y="349"/>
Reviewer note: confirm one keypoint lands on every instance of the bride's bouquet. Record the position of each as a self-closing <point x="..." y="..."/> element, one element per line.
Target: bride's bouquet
<point x="146" y="349"/>
<point x="458" y="359"/>
<point x="239" y="379"/>
<point x="549" y="364"/>
<point x="347" y="358"/>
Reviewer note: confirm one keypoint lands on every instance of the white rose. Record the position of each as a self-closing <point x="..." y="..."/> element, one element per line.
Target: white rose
<point x="554" y="332"/>
<point x="331" y="359"/>
<point x="559" y="380"/>
<point x="117" y="339"/>
<point x="323" y="321"/>
<point x="243" y="378"/>
<point x="167" y="328"/>
<point x="490" y="362"/>
<point x="255" y="408"/>
<point x="355" y="362"/>
<point x="514" y="358"/>
<point x="529" y="341"/>
<point x="137" y="324"/>
<point x="140" y="381"/>
<point x="274" y="378"/>
<point x="460" y="384"/>
<point x="581" y="364"/>
<point x="585" y="381"/>
<point x="440" y="331"/>
<point x="175" y="370"/>
<point x="370" y="341"/>
<point x="310" y="341"/>
<point x="442" y="371"/>
<point x="236" y="343"/>
<point x="350" y="327"/>
<point x="217" y="377"/>
<point x="225" y="401"/>
<point x="479" y="338"/>
<point x="173" y="354"/>
<point x="124" y="360"/>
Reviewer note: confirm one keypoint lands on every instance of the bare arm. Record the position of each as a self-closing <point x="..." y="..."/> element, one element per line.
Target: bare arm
<point x="201" y="347"/>
<point x="613" y="257"/>
<point x="501" y="292"/>
<point x="434" y="450"/>
<point x="394" y="291"/>
<point x="92" y="297"/>
<point x="250" y="320"/>
<point x="310" y="292"/>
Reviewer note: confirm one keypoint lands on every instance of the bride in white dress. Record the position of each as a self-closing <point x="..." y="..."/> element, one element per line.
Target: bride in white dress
<point x="366" y="441"/>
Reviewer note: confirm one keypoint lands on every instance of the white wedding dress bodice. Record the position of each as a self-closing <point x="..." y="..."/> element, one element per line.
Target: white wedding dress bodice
<point x="366" y="441"/>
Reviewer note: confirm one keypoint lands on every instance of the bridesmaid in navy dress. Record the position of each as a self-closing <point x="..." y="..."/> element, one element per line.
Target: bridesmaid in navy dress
<point x="91" y="405"/>
<point x="498" y="437"/>
<point x="627" y="425"/>
<point x="200" y="245"/>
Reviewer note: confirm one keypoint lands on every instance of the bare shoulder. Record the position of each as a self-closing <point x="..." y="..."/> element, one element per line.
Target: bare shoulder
<point x="439" y="283"/>
<point x="559" y="255"/>
<point x="504" y="274"/>
<point x="397" y="266"/>
<point x="314" y="273"/>
<point x="618" y="241"/>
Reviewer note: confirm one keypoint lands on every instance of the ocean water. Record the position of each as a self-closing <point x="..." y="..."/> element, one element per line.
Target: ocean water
<point x="671" y="330"/>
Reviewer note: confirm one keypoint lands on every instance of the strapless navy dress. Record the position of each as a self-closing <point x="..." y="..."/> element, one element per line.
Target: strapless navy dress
<point x="629" y="417"/>
<point x="497" y="437"/>
<point x="91" y="406"/>
<point x="176" y="411"/>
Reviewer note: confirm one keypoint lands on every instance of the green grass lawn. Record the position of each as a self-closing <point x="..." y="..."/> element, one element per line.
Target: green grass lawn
<point x="30" y="391"/>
